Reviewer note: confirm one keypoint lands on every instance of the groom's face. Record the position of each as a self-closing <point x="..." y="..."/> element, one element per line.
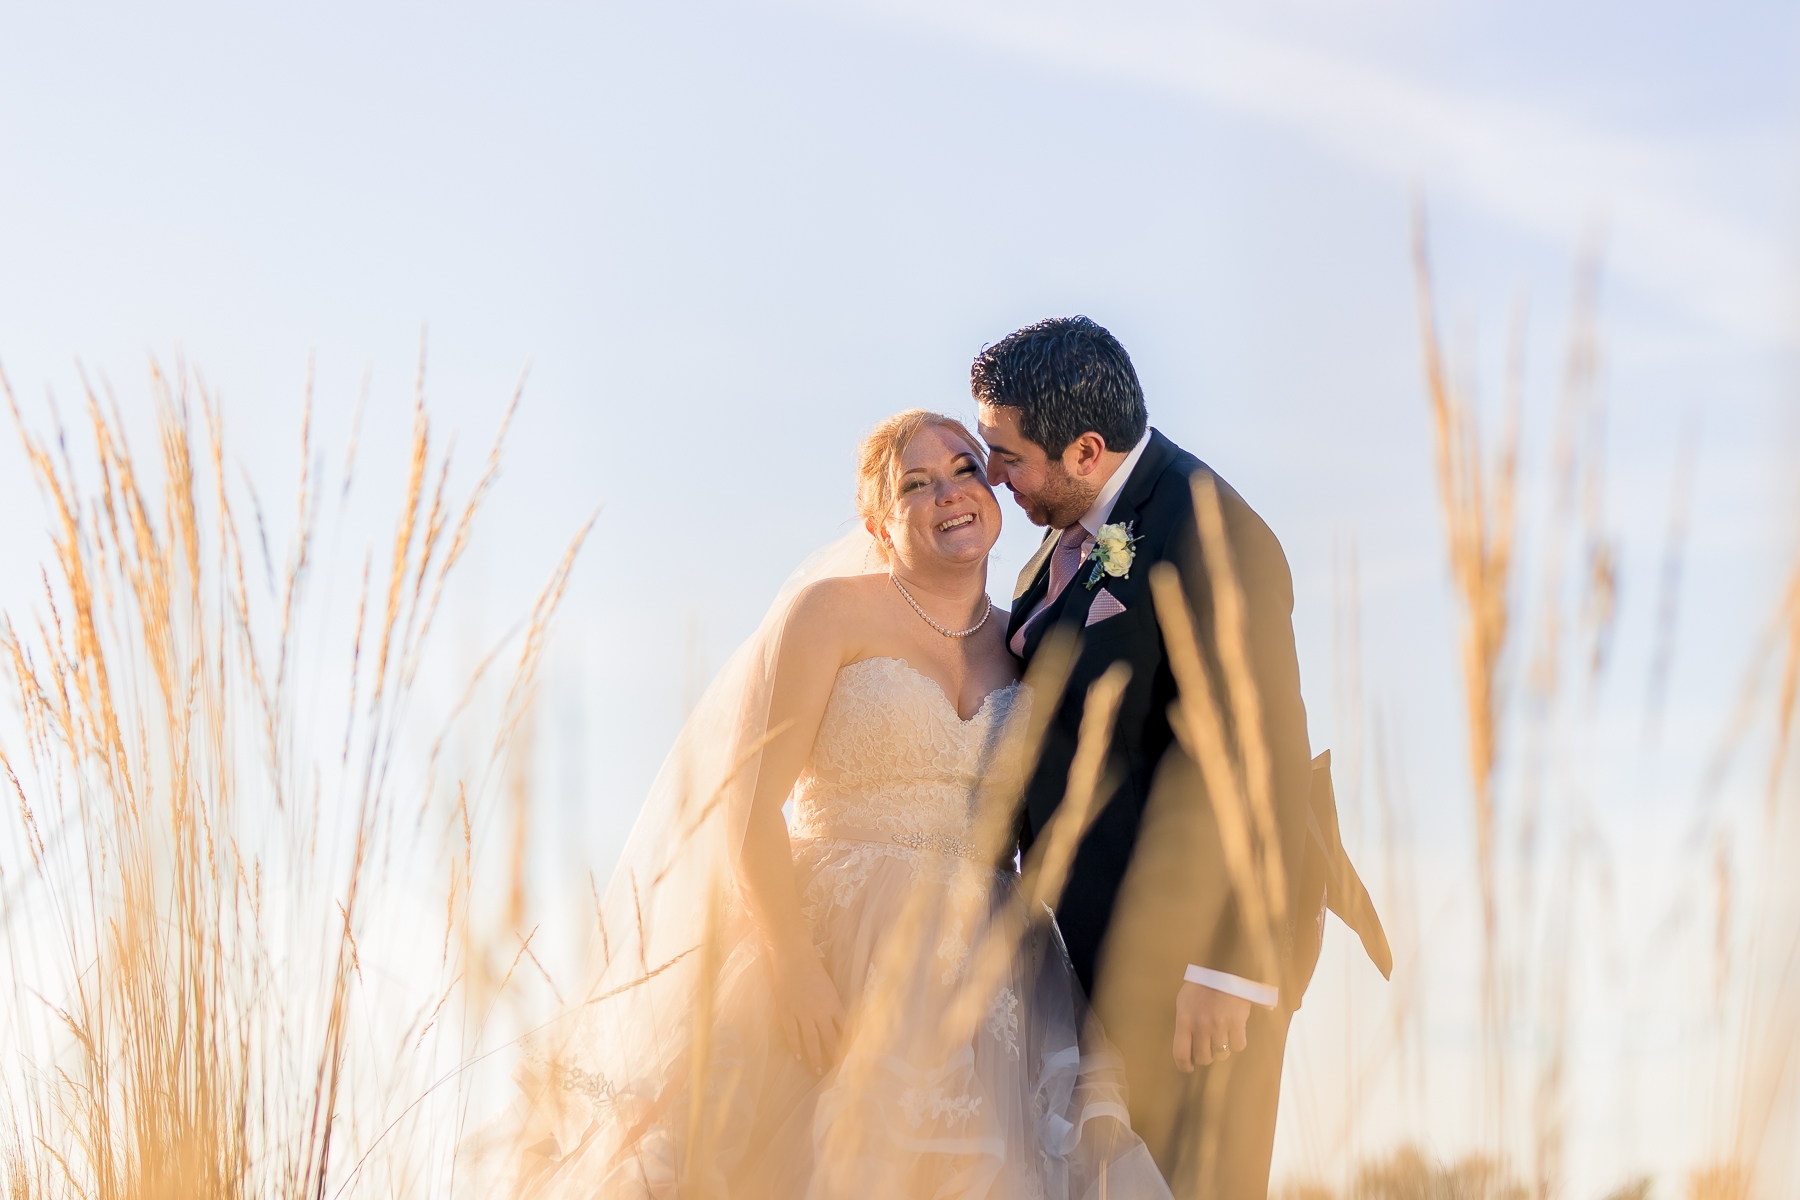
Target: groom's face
<point x="1043" y="485"/>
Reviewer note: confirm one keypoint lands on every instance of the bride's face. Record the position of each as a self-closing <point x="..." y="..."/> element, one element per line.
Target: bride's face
<point x="944" y="510"/>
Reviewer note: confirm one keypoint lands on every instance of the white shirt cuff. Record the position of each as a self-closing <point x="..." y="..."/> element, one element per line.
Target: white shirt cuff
<point x="1256" y="993"/>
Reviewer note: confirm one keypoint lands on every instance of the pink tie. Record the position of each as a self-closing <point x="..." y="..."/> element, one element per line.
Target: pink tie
<point x="1063" y="561"/>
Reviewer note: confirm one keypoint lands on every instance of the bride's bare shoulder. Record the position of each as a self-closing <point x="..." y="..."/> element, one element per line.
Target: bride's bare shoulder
<point x="831" y="600"/>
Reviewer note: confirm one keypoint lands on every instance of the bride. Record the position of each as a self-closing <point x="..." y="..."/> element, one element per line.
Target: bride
<point x="842" y="1001"/>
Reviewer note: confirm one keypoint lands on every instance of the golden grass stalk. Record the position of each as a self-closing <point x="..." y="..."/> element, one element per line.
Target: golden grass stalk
<point x="190" y="981"/>
<point x="996" y="829"/>
<point x="997" y="798"/>
<point x="1200" y="729"/>
<point x="1477" y="499"/>
<point x="703" y="1118"/>
<point x="1048" y="875"/>
<point x="910" y="974"/>
<point x="1233" y="641"/>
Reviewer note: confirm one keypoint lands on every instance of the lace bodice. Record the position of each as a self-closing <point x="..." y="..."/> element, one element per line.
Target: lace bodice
<point x="893" y="761"/>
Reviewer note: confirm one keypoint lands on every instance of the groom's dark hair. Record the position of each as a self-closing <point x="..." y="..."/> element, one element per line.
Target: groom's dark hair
<point x="1066" y="376"/>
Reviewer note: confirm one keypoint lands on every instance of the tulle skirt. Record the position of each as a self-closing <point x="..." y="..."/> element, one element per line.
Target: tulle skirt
<point x="971" y="1070"/>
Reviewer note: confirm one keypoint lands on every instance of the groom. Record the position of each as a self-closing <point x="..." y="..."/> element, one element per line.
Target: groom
<point x="1148" y="913"/>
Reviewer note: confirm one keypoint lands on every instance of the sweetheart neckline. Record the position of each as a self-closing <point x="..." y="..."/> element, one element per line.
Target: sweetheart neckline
<point x="938" y="688"/>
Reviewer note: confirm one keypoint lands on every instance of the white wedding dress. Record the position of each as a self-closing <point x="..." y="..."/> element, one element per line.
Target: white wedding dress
<point x="1029" y="1105"/>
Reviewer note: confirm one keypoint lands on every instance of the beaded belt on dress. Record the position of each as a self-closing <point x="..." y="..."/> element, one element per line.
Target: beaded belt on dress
<point x="942" y="843"/>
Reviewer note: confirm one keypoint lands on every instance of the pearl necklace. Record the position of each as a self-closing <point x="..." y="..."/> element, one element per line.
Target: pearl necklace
<point x="926" y="617"/>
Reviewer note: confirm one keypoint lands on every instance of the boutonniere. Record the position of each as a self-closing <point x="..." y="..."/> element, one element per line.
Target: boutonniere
<point x="1113" y="552"/>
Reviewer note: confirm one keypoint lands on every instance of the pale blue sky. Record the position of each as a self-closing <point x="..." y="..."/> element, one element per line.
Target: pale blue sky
<point x="731" y="237"/>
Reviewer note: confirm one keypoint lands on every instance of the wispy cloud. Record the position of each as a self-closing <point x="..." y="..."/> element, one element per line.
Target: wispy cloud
<point x="1669" y="203"/>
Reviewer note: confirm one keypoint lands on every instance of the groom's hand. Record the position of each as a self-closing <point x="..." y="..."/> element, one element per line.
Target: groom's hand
<point x="1209" y="1026"/>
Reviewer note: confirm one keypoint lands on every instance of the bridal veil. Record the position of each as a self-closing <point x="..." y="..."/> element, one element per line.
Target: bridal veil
<point x="669" y="916"/>
<point x="970" y="1071"/>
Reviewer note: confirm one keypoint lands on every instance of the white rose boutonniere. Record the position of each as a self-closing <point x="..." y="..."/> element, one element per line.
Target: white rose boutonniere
<point x="1113" y="552"/>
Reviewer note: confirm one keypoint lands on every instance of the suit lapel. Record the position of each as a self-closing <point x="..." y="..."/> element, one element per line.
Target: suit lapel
<point x="1071" y="608"/>
<point x="1028" y="578"/>
<point x="1034" y="581"/>
<point x="1137" y="489"/>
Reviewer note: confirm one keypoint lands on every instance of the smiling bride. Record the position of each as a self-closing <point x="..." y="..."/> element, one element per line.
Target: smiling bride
<point x="828" y="1003"/>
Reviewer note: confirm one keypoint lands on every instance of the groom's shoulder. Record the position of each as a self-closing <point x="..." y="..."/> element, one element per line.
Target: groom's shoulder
<point x="1172" y="494"/>
<point x="1172" y="469"/>
<point x="1176" y="469"/>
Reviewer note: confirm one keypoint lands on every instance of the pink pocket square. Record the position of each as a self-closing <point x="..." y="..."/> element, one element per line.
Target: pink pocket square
<point x="1105" y="605"/>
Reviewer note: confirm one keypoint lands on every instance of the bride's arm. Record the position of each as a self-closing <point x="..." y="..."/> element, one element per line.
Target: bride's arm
<point x="811" y="1012"/>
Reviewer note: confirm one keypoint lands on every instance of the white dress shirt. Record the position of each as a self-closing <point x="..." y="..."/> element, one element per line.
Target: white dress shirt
<point x="1097" y="514"/>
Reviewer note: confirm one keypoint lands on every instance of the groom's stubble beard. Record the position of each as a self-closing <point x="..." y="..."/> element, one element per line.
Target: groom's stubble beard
<point x="1062" y="499"/>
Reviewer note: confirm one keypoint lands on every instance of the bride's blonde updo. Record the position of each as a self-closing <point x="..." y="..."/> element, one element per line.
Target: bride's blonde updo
<point x="878" y="461"/>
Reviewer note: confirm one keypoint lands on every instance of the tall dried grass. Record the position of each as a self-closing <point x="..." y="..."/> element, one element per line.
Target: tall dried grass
<point x="1478" y="502"/>
<point x="1536" y="859"/>
<point x="192" y="1013"/>
<point x="190" y="915"/>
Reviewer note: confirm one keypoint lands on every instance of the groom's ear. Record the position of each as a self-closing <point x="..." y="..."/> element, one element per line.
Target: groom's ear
<point x="1084" y="453"/>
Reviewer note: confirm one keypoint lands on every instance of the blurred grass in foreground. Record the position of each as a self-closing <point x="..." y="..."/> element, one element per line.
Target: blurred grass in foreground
<point x="224" y="984"/>
<point x="198" y="869"/>
<point x="1535" y="647"/>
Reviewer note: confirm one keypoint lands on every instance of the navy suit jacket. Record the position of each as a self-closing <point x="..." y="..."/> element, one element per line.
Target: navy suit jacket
<point x="1191" y="913"/>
